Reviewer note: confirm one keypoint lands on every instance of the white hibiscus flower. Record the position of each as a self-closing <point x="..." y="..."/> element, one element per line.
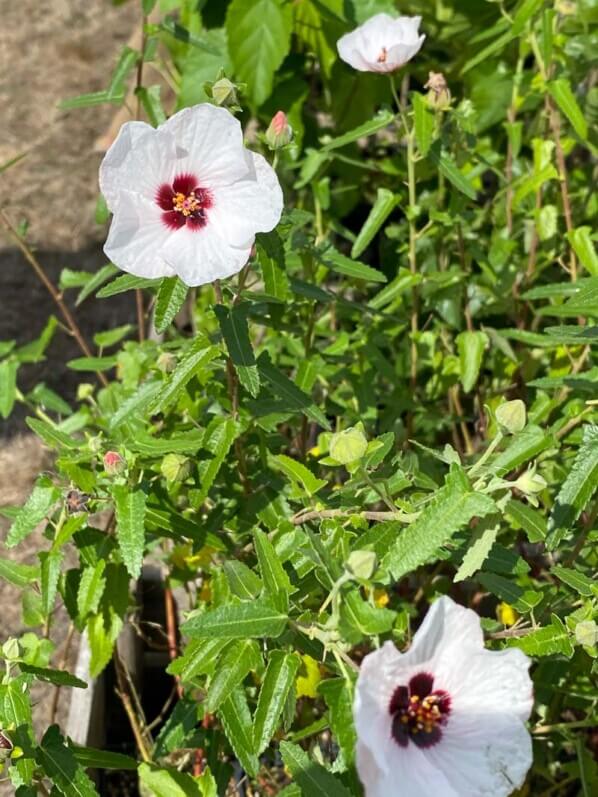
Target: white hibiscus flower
<point x="187" y="197"/>
<point x="382" y="44"/>
<point x="446" y="717"/>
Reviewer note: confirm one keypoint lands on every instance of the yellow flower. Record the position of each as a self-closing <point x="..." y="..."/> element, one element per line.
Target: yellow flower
<point x="307" y="685"/>
<point x="314" y="452"/>
<point x="506" y="614"/>
<point x="205" y="594"/>
<point x="381" y="598"/>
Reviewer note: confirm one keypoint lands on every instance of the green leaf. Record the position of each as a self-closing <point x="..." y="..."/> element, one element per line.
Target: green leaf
<point x="130" y="526"/>
<point x="242" y="581"/>
<point x="583" y="246"/>
<point x="91" y="589"/>
<point x="178" y="728"/>
<point x="218" y="439"/>
<point x="577" y="489"/>
<point x="504" y="588"/>
<point x="56" y="677"/>
<point x="236" y="720"/>
<point x="471" y="346"/>
<point x="37" y="507"/>
<point x="299" y="474"/>
<point x="335" y="261"/>
<point x="112" y="336"/>
<point x="524" y="447"/>
<point x="171" y="296"/>
<point x="338" y="694"/>
<point x="551" y="640"/>
<point x="8" y="386"/>
<point x="51" y="435"/>
<point x="92" y="363"/>
<point x="259" y="35"/>
<point x="294" y="397"/>
<point x="270" y="253"/>
<point x="379" y="122"/>
<point x="451" y="171"/>
<point x="359" y="619"/>
<point x="314" y="779"/>
<point x="574" y="579"/>
<point x="233" y="324"/>
<point x="89" y="100"/>
<point x="152" y="104"/>
<point x="126" y="62"/>
<point x="167" y="782"/>
<point x="385" y="203"/>
<point x="198" y="356"/>
<point x="198" y="658"/>
<point x="561" y="92"/>
<point x="483" y="539"/>
<point x="58" y="763"/>
<point x="453" y="506"/>
<point x="277" y="585"/>
<point x="89" y="758"/>
<point x="238" y="621"/>
<point x="278" y="681"/>
<point x="18" y="574"/>
<point x="531" y="521"/>
<point x="424" y="123"/>
<point x="97" y="279"/>
<point x="239" y="659"/>
<point x="125" y="282"/>
<point x="51" y="562"/>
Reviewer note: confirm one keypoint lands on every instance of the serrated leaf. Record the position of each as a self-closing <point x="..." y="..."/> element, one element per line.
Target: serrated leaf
<point x="197" y="357"/>
<point x="550" y="640"/>
<point x="385" y="203"/>
<point x="198" y="658"/>
<point x="471" y="347"/>
<point x="574" y="579"/>
<point x="299" y="474"/>
<point x="313" y="778"/>
<point x="270" y="253"/>
<point x="276" y="581"/>
<point x="530" y="520"/>
<point x="238" y="621"/>
<point x="125" y="282"/>
<point x="424" y="123"/>
<point x="240" y="659"/>
<point x="451" y="171"/>
<point x="58" y="763"/>
<point x="18" y="574"/>
<point x="130" y="507"/>
<point x="577" y="490"/>
<point x="177" y="729"/>
<point x="43" y="497"/>
<point x="126" y="62"/>
<point x="338" y="694"/>
<point x="171" y="296"/>
<point x="583" y="245"/>
<point x="235" y="331"/>
<point x="91" y="589"/>
<point x="51" y="562"/>
<point x="89" y="758"/>
<point x="482" y="541"/>
<point x="51" y="676"/>
<point x="287" y="390"/>
<point x="524" y="447"/>
<point x="236" y="720"/>
<point x="219" y="436"/>
<point x="454" y="505"/>
<point x="242" y="581"/>
<point x="8" y="386"/>
<point x="259" y="35"/>
<point x="278" y="681"/>
<point x="562" y="93"/>
<point x="51" y="435"/>
<point x="97" y="279"/>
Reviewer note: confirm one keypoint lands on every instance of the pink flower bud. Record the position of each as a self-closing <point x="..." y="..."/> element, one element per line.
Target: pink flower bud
<point x="114" y="464"/>
<point x="280" y="132"/>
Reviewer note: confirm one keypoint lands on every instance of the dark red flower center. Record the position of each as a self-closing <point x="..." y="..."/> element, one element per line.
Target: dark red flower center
<point x="184" y="203"/>
<point x="419" y="712"/>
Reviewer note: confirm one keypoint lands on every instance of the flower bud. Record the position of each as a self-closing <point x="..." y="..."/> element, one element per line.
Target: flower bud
<point x="348" y="446"/>
<point x="224" y="93"/>
<point x="530" y="482"/>
<point x="586" y="633"/>
<point x="166" y="362"/>
<point x="84" y="391"/>
<point x="175" y="468"/>
<point x="10" y="649"/>
<point x="439" y="94"/>
<point x="114" y="464"/>
<point x="362" y="564"/>
<point x="511" y="416"/>
<point x="280" y="132"/>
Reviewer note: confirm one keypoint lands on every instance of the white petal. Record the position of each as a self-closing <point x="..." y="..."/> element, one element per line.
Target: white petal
<point x="136" y="235"/>
<point x="446" y="627"/>
<point x="410" y="774"/>
<point x="483" y="754"/>
<point x="114" y="158"/>
<point x="399" y="54"/>
<point x="253" y="204"/>
<point x="209" y="143"/>
<point x="348" y="49"/>
<point x="201" y="256"/>
<point x="382" y="44"/>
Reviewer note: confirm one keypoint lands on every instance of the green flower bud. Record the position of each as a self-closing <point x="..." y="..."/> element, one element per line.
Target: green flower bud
<point x="586" y="633"/>
<point x="362" y="564"/>
<point x="348" y="446"/>
<point x="439" y="94"/>
<point x="166" y="362"/>
<point x="511" y="416"/>
<point x="530" y="482"/>
<point x="176" y="468"/>
<point x="10" y="649"/>
<point x="84" y="391"/>
<point x="280" y="132"/>
<point x="224" y="93"/>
